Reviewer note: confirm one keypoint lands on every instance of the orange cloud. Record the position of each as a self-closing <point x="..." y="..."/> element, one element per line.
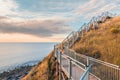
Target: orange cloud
<point x="16" y="37"/>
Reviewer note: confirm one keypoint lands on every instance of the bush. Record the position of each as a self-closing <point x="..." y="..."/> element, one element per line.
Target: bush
<point x="96" y="54"/>
<point x="115" y="30"/>
<point x="81" y="50"/>
<point x="117" y="61"/>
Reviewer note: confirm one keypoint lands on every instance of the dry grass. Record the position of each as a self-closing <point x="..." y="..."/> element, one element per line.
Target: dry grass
<point x="103" y="42"/>
<point x="45" y="70"/>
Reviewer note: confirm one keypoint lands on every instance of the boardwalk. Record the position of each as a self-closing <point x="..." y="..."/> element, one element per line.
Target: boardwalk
<point x="81" y="67"/>
<point x="77" y="70"/>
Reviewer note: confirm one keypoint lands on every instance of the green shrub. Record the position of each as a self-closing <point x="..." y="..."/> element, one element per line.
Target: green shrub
<point x="81" y="50"/>
<point x="96" y="54"/>
<point x="115" y="30"/>
<point x="117" y="61"/>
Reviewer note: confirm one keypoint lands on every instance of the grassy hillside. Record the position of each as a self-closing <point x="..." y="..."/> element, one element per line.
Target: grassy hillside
<point x="103" y="43"/>
<point x="45" y="70"/>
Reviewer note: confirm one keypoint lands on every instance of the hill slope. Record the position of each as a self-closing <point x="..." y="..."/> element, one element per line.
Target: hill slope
<point x="102" y="43"/>
<point x="45" y="70"/>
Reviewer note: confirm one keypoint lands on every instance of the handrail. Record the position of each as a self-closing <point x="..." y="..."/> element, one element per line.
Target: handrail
<point x="84" y="28"/>
<point x="68" y="36"/>
<point x="96" y="60"/>
<point x="73" y="36"/>
<point x="86" y="72"/>
<point x="73" y="60"/>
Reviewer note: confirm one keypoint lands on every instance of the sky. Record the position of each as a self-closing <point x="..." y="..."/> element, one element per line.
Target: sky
<point x="48" y="20"/>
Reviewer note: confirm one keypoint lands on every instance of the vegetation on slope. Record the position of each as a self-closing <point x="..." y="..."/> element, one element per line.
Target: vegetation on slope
<point x="45" y="70"/>
<point x="103" y="43"/>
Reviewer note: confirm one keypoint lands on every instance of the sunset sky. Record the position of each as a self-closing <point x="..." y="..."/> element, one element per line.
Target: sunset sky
<point x="48" y="20"/>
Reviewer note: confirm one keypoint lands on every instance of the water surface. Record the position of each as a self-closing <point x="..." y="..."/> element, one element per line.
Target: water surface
<point x="14" y="54"/>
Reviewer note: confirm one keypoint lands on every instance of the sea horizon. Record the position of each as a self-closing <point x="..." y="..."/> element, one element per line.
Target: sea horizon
<point x="14" y="54"/>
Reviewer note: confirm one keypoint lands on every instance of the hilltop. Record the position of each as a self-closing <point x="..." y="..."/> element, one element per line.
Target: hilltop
<point x="102" y="43"/>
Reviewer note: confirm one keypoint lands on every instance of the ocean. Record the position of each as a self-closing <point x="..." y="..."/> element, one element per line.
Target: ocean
<point x="18" y="54"/>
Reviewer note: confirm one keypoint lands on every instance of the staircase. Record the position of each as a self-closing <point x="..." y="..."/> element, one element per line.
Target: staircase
<point x="81" y="67"/>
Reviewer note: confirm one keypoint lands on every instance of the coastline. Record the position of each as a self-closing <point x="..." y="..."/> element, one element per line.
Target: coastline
<point x="17" y="74"/>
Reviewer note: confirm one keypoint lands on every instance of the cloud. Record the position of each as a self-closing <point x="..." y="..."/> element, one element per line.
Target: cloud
<point x="95" y="7"/>
<point x="40" y="28"/>
<point x="7" y="7"/>
<point x="14" y="19"/>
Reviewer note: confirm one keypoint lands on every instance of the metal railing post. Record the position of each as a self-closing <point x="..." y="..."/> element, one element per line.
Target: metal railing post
<point x="55" y="54"/>
<point x="87" y="61"/>
<point x="60" y="66"/>
<point x="87" y="76"/>
<point x="57" y="59"/>
<point x="82" y="33"/>
<point x="61" y="45"/>
<point x="60" y="58"/>
<point x="75" y="56"/>
<point x="70" y="69"/>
